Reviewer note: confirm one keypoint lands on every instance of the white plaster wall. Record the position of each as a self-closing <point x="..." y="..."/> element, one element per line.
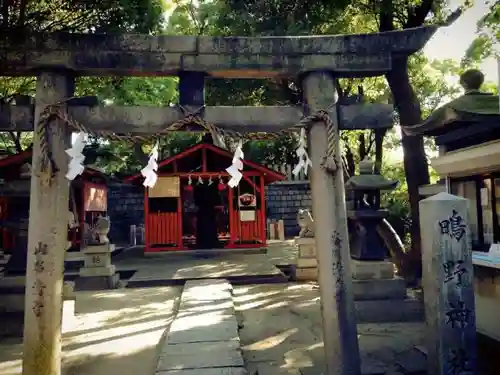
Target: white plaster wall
<point x="488" y="306"/>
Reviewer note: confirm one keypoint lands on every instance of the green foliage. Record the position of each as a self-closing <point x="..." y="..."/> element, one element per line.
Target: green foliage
<point x="488" y="37"/>
<point x="142" y="16"/>
<point x="433" y="81"/>
<point x="115" y="16"/>
<point x="128" y="91"/>
<point x="396" y="201"/>
<point x="13" y="142"/>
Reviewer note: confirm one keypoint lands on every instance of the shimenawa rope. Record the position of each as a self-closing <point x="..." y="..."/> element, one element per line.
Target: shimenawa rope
<point x="49" y="168"/>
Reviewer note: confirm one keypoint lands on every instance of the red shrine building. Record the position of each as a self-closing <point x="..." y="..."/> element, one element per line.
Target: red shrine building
<point x="88" y="200"/>
<point x="192" y="207"/>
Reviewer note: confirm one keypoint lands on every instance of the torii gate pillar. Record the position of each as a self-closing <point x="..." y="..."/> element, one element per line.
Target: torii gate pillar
<point x="47" y="238"/>
<point x="331" y="237"/>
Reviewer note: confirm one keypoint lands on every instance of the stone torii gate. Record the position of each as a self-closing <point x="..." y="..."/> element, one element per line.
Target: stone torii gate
<point x="57" y="58"/>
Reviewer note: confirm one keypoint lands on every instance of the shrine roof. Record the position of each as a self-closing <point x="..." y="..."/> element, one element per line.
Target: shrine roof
<point x="468" y="110"/>
<point x="24" y="54"/>
<point x="25" y="157"/>
<point x="269" y="174"/>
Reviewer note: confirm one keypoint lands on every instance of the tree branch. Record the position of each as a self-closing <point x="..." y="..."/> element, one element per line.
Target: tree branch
<point x="417" y="15"/>
<point x="386" y="16"/>
<point x="5" y="14"/>
<point x="22" y="12"/>
<point x="16" y="139"/>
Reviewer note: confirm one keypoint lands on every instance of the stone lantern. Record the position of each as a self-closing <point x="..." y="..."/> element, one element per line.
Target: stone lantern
<point x="365" y="211"/>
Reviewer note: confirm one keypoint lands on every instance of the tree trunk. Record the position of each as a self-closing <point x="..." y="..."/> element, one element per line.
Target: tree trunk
<point x="415" y="161"/>
<point x="349" y="161"/>
<point x="362" y="151"/>
<point x="5" y="15"/>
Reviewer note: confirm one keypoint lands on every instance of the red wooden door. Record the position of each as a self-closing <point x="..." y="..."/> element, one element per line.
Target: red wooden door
<point x="163" y="230"/>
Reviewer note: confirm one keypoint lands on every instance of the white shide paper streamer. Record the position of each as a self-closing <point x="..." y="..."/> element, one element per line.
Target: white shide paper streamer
<point x="75" y="166"/>
<point x="301" y="152"/>
<point x="235" y="169"/>
<point x="149" y="171"/>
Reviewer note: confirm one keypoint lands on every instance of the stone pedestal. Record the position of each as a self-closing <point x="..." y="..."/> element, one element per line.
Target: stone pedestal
<point x="307" y="264"/>
<point x="97" y="272"/>
<point x="380" y="296"/>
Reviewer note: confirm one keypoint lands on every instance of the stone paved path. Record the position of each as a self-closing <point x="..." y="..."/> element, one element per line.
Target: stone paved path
<point x="203" y="338"/>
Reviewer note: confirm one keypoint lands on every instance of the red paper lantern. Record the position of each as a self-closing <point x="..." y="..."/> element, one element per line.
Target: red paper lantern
<point x="221" y="186"/>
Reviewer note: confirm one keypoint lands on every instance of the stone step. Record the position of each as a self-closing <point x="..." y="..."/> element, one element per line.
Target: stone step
<point x="12" y="284"/>
<point x="389" y="311"/>
<point x="4" y="259"/>
<point x="382" y="289"/>
<point x="307" y="263"/>
<point x="250" y="279"/>
<point x="413" y="361"/>
<point x="305" y="274"/>
<point x="11" y="302"/>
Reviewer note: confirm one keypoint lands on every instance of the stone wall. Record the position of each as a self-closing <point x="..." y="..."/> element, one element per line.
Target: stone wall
<point x="125" y="208"/>
<point x="283" y="201"/>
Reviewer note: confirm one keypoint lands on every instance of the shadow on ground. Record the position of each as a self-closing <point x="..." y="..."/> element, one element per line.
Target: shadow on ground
<point x="115" y="332"/>
<point x="282" y="334"/>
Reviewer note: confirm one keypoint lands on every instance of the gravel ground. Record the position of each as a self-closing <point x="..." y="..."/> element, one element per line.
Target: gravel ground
<point x="282" y="332"/>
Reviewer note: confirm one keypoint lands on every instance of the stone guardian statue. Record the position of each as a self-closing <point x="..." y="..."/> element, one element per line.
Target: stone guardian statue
<point x="306" y="223"/>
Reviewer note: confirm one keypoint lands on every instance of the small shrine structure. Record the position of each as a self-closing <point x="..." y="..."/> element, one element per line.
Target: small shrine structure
<point x="467" y="133"/>
<point x="191" y="205"/>
<point x="87" y="201"/>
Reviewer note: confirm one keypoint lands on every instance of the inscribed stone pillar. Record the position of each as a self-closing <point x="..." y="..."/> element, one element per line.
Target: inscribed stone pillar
<point x="332" y="245"/>
<point x="448" y="285"/>
<point x="47" y="238"/>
